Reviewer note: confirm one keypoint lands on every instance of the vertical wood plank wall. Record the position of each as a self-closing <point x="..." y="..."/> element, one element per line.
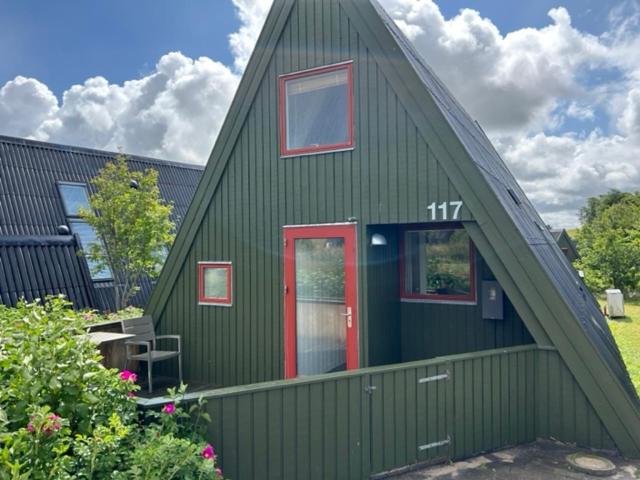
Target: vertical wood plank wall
<point x="408" y="331"/>
<point x="563" y="411"/>
<point x="390" y="177"/>
<point x="330" y="427"/>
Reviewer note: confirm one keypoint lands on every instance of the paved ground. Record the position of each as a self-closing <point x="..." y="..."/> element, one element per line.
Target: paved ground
<point x="542" y="460"/>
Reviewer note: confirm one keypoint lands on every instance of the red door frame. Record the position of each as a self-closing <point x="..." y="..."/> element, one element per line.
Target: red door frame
<point x="291" y="233"/>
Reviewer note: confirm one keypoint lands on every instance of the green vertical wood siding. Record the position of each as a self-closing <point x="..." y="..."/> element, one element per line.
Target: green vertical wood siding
<point x="391" y="176"/>
<point x="408" y="331"/>
<point x="562" y="410"/>
<point x="329" y="426"/>
<point x="383" y="302"/>
<point x="311" y="430"/>
<point x="434" y="329"/>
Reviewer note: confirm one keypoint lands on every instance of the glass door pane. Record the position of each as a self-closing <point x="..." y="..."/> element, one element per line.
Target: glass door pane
<point x="320" y="305"/>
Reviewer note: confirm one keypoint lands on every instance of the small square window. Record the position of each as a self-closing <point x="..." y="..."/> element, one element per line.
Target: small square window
<point x="214" y="283"/>
<point x="316" y="110"/>
<point x="438" y="264"/>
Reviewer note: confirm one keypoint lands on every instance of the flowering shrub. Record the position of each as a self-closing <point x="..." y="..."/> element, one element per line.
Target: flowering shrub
<point x="63" y="415"/>
<point x="91" y="317"/>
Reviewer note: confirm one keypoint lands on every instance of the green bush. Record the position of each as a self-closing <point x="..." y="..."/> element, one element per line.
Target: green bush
<point x="63" y="415"/>
<point x="92" y="317"/>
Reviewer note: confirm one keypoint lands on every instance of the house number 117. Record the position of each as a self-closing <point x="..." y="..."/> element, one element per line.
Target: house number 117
<point x="445" y="210"/>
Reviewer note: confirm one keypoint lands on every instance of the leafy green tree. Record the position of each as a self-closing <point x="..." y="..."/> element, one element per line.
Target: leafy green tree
<point x="609" y="246"/>
<point x="133" y="221"/>
<point x="596" y="205"/>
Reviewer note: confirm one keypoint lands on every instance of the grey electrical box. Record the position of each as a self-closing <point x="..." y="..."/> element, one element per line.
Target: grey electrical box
<point x="492" y="304"/>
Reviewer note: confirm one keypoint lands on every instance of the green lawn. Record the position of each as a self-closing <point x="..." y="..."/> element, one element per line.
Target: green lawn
<point x="627" y="333"/>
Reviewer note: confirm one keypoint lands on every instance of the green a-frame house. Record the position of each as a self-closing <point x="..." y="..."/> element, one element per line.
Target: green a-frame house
<point x="365" y="280"/>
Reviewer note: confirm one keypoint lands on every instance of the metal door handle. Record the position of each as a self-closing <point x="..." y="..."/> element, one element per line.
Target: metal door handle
<point x="349" y="316"/>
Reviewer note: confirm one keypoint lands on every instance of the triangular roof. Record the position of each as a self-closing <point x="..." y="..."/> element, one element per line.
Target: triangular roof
<point x="561" y="234"/>
<point x="507" y="231"/>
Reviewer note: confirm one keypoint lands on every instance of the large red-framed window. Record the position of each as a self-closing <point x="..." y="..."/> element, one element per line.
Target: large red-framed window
<point x="437" y="263"/>
<point x="215" y="283"/>
<point x="316" y="110"/>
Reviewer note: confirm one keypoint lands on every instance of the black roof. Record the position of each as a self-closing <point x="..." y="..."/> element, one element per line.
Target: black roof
<point x="29" y="199"/>
<point x="34" y="267"/>
<point x="31" y="211"/>
<point x="521" y="211"/>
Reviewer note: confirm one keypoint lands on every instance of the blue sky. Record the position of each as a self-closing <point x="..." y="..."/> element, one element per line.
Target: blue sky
<point x="64" y="42"/>
<point x="555" y="83"/>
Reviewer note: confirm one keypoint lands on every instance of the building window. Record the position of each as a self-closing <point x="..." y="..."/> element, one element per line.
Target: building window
<point x="214" y="283"/>
<point x="74" y="198"/>
<point x="438" y="264"/>
<point x="316" y="110"/>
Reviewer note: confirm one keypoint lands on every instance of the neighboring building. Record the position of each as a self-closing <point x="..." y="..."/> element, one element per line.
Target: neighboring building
<point x="42" y="188"/>
<point x="360" y="253"/>
<point x="566" y="244"/>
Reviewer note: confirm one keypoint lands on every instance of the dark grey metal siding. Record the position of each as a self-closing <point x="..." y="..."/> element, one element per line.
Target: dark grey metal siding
<point x="30" y="204"/>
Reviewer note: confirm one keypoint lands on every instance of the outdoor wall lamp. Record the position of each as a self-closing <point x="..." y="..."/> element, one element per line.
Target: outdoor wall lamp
<point x="377" y="240"/>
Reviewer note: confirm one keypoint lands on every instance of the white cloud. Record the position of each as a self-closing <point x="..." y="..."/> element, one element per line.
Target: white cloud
<point x="509" y="82"/>
<point x="522" y="86"/>
<point x="630" y="119"/>
<point x="559" y="172"/>
<point x="24" y="104"/>
<point x="252" y="14"/>
<point x="174" y="112"/>
<point x="580" y="112"/>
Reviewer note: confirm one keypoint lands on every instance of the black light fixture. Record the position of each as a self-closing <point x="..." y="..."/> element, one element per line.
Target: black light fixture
<point x="63" y="230"/>
<point x="134" y="184"/>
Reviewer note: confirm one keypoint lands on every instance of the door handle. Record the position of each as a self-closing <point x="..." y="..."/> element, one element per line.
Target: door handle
<point x="349" y="316"/>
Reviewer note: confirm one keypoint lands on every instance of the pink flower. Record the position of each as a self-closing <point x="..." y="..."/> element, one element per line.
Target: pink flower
<point x="131" y="394"/>
<point x="53" y="423"/>
<point x="30" y="427"/>
<point x="208" y="452"/>
<point x="128" y="376"/>
<point x="169" y="408"/>
<point x="218" y="472"/>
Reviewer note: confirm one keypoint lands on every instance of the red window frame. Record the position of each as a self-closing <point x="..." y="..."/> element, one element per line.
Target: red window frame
<point x="283" y="79"/>
<point x="472" y="297"/>
<point x="222" y="301"/>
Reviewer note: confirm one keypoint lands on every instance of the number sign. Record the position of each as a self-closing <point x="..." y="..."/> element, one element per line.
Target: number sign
<point x="445" y="210"/>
